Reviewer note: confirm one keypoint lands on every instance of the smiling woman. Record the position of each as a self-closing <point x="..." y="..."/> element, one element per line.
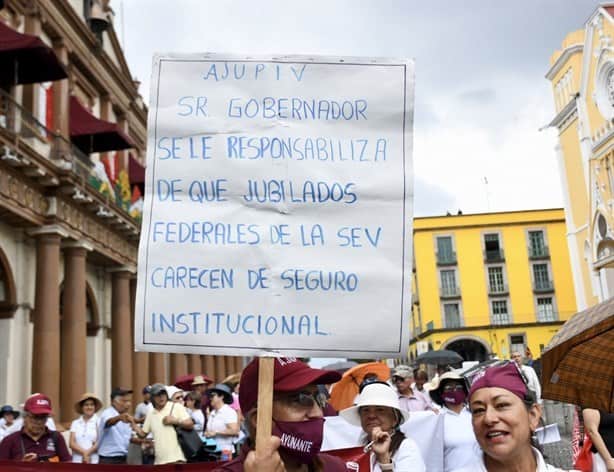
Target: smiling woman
<point x="505" y="415"/>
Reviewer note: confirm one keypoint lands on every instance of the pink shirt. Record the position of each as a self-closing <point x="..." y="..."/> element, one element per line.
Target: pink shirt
<point x="414" y="402"/>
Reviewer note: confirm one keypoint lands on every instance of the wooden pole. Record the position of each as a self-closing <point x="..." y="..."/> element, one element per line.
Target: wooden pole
<point x="266" y="368"/>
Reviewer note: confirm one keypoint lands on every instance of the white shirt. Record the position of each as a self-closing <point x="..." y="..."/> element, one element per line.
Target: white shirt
<point x="218" y="421"/>
<point x="459" y="444"/>
<point x="86" y="434"/>
<point x="533" y="381"/>
<point x="478" y="464"/>
<point x="198" y="418"/>
<point x="406" y="459"/>
<point x="18" y="424"/>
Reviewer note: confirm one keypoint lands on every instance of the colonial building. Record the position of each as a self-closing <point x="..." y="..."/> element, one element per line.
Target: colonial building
<point x="489" y="284"/>
<point x="582" y="77"/>
<point x="72" y="149"/>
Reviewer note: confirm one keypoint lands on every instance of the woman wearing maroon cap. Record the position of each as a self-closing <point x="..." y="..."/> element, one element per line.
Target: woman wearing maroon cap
<point x="505" y="415"/>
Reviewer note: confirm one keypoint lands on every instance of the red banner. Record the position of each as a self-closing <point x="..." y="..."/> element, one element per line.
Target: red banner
<point x="355" y="458"/>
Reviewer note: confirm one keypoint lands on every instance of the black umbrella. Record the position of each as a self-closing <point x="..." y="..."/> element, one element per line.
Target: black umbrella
<point x="442" y="356"/>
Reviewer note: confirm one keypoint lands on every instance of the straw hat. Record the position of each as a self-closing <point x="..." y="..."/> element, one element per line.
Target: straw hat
<point x="87" y="396"/>
<point x="375" y="394"/>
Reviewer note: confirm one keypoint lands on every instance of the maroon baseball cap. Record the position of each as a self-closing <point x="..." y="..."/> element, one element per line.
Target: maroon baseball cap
<point x="290" y="375"/>
<point x="38" y="404"/>
<point x="505" y="376"/>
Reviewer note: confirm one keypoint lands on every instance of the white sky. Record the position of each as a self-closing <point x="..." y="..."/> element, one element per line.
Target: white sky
<point x="481" y="95"/>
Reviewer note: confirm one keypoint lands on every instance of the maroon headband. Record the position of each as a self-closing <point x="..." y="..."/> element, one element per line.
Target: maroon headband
<point x="504" y="376"/>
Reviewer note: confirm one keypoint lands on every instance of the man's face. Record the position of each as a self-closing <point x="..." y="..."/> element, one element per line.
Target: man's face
<point x="121" y="403"/>
<point x="201" y="388"/>
<point x="420" y="381"/>
<point x="403" y="384"/>
<point x="159" y="400"/>
<point x="300" y="405"/>
<point x="34" y="425"/>
<point x="517" y="358"/>
<point x="146" y="397"/>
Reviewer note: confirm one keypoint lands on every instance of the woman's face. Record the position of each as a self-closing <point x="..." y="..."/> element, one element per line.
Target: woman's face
<point x="502" y="424"/>
<point x="189" y="403"/>
<point x="178" y="398"/>
<point x="88" y="408"/>
<point x="372" y="416"/>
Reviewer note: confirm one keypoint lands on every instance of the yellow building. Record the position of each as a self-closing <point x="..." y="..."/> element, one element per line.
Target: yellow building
<point x="489" y="284"/>
<point x="582" y="77"/>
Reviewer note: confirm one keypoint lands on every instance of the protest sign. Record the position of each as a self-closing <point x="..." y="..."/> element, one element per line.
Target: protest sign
<point x="278" y="207"/>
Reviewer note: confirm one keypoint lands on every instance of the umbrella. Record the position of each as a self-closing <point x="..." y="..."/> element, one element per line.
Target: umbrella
<point x="443" y="356"/>
<point x="578" y="364"/>
<point x="344" y="391"/>
<point x="340" y="366"/>
<point x="25" y="59"/>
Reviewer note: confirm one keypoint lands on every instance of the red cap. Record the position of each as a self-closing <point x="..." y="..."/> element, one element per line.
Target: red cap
<point x="503" y="376"/>
<point x="290" y="375"/>
<point x="38" y="404"/>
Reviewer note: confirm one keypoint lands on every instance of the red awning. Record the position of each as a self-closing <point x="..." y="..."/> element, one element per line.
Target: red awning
<point x="91" y="134"/>
<point x="136" y="171"/>
<point x="26" y="59"/>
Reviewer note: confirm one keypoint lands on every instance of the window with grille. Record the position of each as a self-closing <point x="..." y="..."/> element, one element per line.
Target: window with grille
<point x="495" y="279"/>
<point x="540" y="276"/>
<point x="545" y="309"/>
<point x="452" y="315"/>
<point x="448" y="283"/>
<point x="444" y="249"/>
<point x="537" y="243"/>
<point x="500" y="315"/>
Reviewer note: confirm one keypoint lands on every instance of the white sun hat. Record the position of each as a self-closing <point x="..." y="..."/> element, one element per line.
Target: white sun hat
<point x="375" y="394"/>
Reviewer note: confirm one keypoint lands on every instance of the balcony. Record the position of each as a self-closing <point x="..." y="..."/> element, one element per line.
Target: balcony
<point x="53" y="161"/>
<point x="446" y="258"/>
<point x="497" y="290"/>
<point x="449" y="292"/>
<point x="542" y="252"/>
<point x="494" y="256"/>
<point x="543" y="286"/>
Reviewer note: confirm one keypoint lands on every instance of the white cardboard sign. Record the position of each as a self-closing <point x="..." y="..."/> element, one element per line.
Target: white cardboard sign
<point x="278" y="207"/>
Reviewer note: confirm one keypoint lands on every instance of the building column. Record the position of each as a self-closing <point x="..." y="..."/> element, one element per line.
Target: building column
<point x="73" y="374"/>
<point x="140" y="360"/>
<point x="220" y="369"/>
<point x="178" y="367"/>
<point x="157" y="368"/>
<point x="46" y="332"/>
<point x="194" y="365"/>
<point x="238" y="364"/>
<point x="209" y="366"/>
<point x="121" y="344"/>
<point x="61" y="95"/>
<point x="230" y="365"/>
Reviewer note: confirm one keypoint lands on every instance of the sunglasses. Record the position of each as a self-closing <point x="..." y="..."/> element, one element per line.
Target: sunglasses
<point x="303" y="399"/>
<point x="453" y="388"/>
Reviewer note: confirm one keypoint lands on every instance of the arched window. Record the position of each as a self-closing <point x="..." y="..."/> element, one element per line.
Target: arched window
<point x="8" y="295"/>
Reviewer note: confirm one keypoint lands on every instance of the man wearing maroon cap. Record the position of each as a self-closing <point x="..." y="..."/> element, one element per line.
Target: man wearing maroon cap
<point x="35" y="442"/>
<point x="298" y="422"/>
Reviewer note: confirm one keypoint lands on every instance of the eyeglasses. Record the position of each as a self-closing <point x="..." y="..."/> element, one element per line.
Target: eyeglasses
<point x="303" y="399"/>
<point x="396" y="379"/>
<point x="453" y="388"/>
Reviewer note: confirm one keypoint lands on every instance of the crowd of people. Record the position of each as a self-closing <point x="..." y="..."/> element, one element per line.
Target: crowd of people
<point x="490" y="416"/>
